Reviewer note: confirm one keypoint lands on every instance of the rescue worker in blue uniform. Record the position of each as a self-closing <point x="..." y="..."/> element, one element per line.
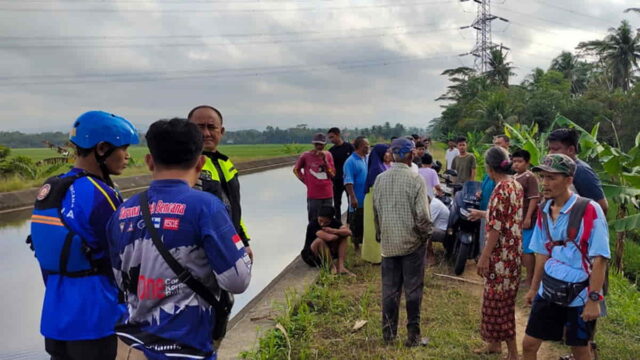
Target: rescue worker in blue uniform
<point x="219" y="176"/>
<point x="168" y="317"/>
<point x="68" y="224"/>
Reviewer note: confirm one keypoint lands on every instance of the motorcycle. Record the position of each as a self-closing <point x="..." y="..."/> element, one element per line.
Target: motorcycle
<point x="463" y="235"/>
<point x="449" y="188"/>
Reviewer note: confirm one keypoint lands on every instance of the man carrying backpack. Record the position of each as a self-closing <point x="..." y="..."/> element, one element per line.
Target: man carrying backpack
<point x="80" y="307"/>
<point x="571" y="243"/>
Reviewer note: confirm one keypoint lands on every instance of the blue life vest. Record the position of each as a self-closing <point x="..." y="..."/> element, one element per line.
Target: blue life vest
<point x="58" y="249"/>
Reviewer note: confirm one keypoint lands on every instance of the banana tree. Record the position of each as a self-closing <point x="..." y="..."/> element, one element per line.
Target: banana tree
<point x="619" y="171"/>
<point x="621" y="180"/>
<point x="528" y="138"/>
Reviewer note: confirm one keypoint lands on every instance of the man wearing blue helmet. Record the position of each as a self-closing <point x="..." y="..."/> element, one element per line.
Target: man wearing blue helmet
<point x="68" y="225"/>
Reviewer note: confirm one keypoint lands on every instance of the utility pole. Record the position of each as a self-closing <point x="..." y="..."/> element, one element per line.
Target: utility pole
<point x="484" y="44"/>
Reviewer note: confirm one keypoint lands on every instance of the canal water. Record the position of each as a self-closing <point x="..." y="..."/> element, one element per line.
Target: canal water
<point x="274" y="210"/>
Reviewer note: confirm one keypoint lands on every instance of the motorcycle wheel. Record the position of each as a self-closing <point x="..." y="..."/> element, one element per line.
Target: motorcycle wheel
<point x="461" y="258"/>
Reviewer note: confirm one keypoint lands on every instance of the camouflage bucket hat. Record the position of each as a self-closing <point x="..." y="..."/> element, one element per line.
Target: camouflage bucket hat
<point x="558" y="164"/>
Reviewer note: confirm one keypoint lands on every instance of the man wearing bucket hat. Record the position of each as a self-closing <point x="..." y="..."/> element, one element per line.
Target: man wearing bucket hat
<point x="315" y="169"/>
<point x="403" y="227"/>
<point x="68" y="224"/>
<point x="571" y="243"/>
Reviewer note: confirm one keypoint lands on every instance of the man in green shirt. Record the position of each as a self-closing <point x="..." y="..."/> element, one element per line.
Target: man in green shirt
<point x="465" y="163"/>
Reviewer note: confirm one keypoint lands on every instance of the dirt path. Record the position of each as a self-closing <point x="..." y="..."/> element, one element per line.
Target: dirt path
<point x="547" y="351"/>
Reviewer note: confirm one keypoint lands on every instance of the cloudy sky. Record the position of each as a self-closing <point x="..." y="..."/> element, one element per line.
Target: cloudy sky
<point x="271" y="62"/>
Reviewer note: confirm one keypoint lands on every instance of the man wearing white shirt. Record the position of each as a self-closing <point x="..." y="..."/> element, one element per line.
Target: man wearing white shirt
<point x="440" y="221"/>
<point x="451" y="154"/>
<point x="439" y="217"/>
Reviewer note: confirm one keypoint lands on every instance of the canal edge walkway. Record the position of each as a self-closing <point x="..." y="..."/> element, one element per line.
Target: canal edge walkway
<point x="23" y="199"/>
<point x="258" y="316"/>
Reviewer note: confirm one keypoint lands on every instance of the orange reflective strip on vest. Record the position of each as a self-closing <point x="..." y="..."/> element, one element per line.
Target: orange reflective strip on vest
<point x="47" y="220"/>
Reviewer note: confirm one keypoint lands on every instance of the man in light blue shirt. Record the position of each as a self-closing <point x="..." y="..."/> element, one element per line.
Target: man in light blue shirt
<point x="559" y="259"/>
<point x="355" y="179"/>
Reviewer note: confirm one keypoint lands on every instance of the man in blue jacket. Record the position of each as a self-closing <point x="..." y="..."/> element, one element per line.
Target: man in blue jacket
<point x="166" y="318"/>
<point x="81" y="306"/>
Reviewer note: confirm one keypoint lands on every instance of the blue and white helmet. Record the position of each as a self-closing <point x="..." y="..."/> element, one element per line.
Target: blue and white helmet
<point x="94" y="127"/>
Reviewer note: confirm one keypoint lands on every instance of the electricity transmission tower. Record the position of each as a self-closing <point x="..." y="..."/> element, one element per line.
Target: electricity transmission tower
<point x="484" y="44"/>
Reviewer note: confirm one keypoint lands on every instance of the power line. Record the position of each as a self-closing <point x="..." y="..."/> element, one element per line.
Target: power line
<point x="219" y="73"/>
<point x="228" y="35"/>
<point x="224" y="43"/>
<point x="248" y="10"/>
<point x="572" y="11"/>
<point x="530" y="16"/>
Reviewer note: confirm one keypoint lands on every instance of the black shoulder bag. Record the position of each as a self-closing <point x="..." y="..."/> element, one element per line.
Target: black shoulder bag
<point x="222" y="303"/>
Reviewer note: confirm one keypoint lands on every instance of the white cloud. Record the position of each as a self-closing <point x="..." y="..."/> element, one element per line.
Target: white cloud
<point x="374" y="74"/>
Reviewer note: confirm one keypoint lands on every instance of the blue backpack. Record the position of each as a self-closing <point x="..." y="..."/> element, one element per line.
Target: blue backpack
<point x="58" y="249"/>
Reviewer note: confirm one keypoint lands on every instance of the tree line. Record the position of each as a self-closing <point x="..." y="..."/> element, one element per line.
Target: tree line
<point x="596" y="83"/>
<point x="271" y="135"/>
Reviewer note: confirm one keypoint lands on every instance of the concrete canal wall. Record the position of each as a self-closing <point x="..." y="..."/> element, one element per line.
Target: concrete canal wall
<point x="23" y="199"/>
<point x="247" y="327"/>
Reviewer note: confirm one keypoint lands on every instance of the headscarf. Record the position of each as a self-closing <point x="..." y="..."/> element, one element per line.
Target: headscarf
<point x="376" y="164"/>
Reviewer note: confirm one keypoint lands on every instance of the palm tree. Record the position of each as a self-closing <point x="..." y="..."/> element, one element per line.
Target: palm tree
<point x="573" y="70"/>
<point x="619" y="51"/>
<point x="460" y="77"/>
<point x="500" y="69"/>
<point x="532" y="81"/>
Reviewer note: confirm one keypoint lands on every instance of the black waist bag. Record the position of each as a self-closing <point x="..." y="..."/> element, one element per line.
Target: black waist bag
<point x="561" y="292"/>
<point x="219" y="299"/>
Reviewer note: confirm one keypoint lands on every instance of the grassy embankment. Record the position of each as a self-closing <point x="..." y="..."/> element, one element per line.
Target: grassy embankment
<point x="237" y="153"/>
<point x="319" y="322"/>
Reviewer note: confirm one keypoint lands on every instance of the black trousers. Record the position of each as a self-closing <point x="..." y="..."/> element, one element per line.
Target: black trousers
<point x="356" y="223"/>
<point x="338" y="189"/>
<point x="98" y="349"/>
<point x="402" y="272"/>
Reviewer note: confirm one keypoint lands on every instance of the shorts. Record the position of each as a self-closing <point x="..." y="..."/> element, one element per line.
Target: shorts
<point x="314" y="205"/>
<point x="314" y="260"/>
<point x="526" y="240"/>
<point x="550" y="321"/>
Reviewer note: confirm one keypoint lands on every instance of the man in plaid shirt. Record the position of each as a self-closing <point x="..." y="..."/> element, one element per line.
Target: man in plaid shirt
<point x="403" y="226"/>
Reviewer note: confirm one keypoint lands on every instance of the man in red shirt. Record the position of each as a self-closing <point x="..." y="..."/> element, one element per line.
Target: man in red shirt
<point x="315" y="169"/>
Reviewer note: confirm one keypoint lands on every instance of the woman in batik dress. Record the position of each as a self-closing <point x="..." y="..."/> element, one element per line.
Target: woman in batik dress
<point x="499" y="263"/>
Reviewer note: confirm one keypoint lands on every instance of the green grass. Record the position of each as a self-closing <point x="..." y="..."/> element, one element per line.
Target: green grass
<point x="319" y="322"/>
<point x="631" y="260"/>
<point x="237" y="153"/>
<point x="618" y="335"/>
<point x="319" y="325"/>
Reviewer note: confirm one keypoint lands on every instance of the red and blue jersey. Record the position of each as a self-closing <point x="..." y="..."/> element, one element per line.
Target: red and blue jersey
<point x="83" y="308"/>
<point x="166" y="319"/>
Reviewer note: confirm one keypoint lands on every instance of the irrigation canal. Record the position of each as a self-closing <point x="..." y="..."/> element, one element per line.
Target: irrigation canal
<point x="274" y="210"/>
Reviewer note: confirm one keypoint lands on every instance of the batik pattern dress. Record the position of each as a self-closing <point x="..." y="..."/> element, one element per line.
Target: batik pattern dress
<point x="504" y="215"/>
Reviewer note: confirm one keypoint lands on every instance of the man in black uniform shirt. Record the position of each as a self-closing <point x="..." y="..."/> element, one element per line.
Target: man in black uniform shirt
<point x="340" y="151"/>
